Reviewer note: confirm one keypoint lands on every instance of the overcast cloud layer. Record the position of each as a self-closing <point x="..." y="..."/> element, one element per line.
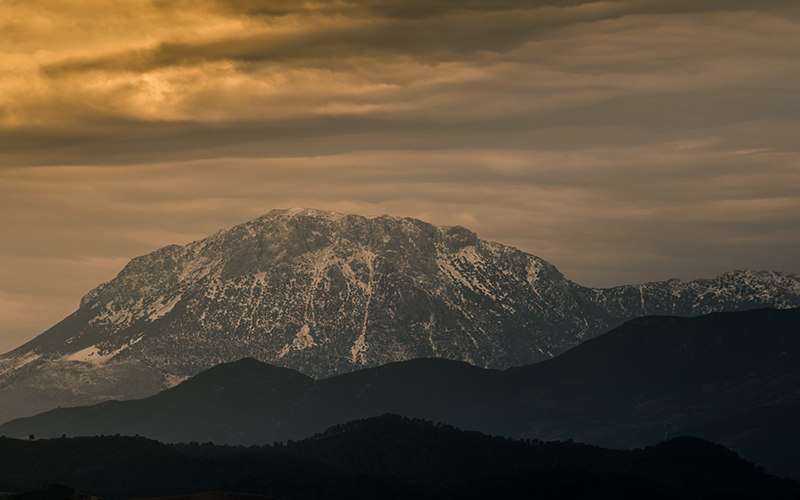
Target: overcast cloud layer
<point x="623" y="141"/>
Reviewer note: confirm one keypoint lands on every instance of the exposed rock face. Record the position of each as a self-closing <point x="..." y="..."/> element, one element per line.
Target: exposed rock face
<point x="326" y="293"/>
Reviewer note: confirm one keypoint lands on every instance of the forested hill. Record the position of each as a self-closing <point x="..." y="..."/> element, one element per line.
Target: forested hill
<point x="388" y="457"/>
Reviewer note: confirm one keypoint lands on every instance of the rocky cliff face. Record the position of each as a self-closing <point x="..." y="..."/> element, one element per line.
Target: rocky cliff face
<point x="326" y="293"/>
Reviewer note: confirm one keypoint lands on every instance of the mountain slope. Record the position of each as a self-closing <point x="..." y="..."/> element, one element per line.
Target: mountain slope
<point x="230" y="403"/>
<point x="629" y="387"/>
<point x="653" y="376"/>
<point x="326" y="293"/>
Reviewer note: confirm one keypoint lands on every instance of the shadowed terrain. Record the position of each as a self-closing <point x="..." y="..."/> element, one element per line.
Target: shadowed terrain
<point x="646" y="380"/>
<point x="389" y="457"/>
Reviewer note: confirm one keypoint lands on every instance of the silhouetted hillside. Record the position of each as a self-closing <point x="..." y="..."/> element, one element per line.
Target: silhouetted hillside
<point x="768" y="436"/>
<point x="420" y="451"/>
<point x="652" y="377"/>
<point x="116" y="467"/>
<point x="388" y="457"/>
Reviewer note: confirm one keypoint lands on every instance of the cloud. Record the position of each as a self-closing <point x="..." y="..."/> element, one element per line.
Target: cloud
<point x="231" y="65"/>
<point x="623" y="140"/>
<point x="332" y="41"/>
<point x="571" y="199"/>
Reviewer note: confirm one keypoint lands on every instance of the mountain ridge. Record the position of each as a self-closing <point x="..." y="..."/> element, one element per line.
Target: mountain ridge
<point x="389" y="457"/>
<point x="327" y="293"/>
<point x="622" y="389"/>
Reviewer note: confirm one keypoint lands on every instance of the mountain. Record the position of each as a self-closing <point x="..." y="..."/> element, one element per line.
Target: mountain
<point x="325" y="293"/>
<point x="654" y="376"/>
<point x="648" y="379"/>
<point x="388" y="457"/>
<point x="249" y="402"/>
<point x="244" y="402"/>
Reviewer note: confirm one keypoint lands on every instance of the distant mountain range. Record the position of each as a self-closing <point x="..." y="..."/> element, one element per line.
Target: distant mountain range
<point x="649" y="379"/>
<point x="388" y="457"/>
<point x="324" y="294"/>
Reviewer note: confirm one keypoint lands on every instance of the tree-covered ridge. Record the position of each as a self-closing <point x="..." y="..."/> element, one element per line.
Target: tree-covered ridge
<point x="389" y="457"/>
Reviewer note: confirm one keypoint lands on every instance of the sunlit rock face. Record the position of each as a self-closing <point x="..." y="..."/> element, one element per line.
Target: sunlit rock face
<point x="326" y="293"/>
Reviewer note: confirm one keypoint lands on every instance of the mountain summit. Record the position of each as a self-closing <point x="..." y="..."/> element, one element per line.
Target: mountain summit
<point x="326" y="293"/>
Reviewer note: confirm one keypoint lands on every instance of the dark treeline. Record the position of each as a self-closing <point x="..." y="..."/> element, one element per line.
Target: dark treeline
<point x="388" y="457"/>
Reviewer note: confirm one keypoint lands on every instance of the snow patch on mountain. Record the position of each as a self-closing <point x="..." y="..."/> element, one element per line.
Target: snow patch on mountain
<point x="303" y="340"/>
<point x="98" y="354"/>
<point x="9" y="364"/>
<point x="163" y="307"/>
<point x="359" y="349"/>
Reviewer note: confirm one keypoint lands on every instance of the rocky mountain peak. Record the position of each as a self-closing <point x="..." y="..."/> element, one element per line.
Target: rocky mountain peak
<point x="327" y="293"/>
<point x="282" y="239"/>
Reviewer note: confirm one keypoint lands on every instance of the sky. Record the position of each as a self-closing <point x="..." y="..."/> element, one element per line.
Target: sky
<point x="624" y="141"/>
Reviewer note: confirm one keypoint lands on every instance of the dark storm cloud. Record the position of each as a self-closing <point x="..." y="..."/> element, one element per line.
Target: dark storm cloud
<point x="441" y="30"/>
<point x="325" y="44"/>
<point x="405" y="9"/>
<point x="418" y="9"/>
